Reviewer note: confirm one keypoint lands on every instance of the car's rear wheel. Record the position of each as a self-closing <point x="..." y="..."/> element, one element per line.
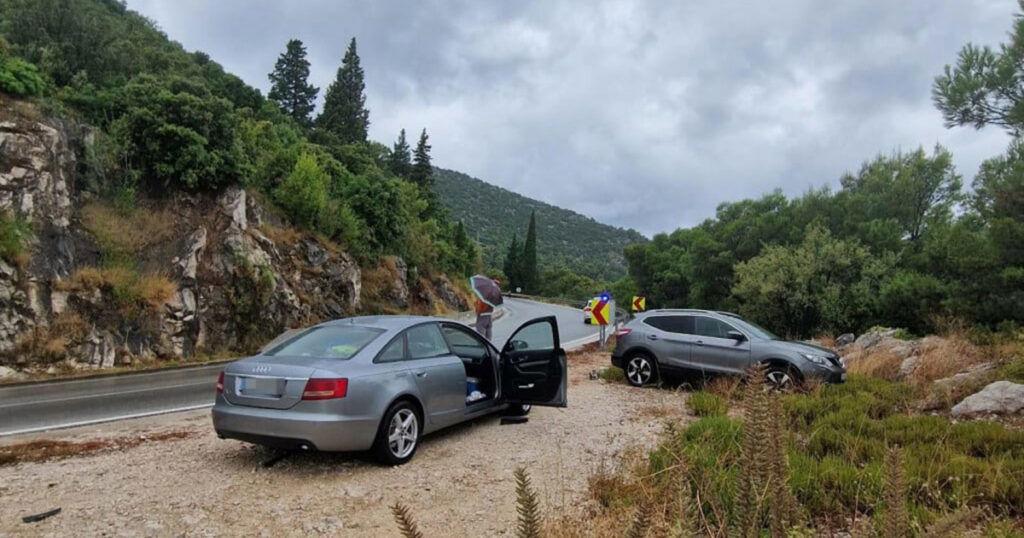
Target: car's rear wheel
<point x="398" y="435"/>
<point x="518" y="410"/>
<point x="781" y="377"/>
<point x="641" y="369"/>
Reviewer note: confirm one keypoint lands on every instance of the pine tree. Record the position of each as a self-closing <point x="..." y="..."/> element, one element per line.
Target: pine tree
<point x="400" y="160"/>
<point x="422" y="173"/>
<point x="345" y="113"/>
<point x="290" y="88"/>
<point x="512" y="263"/>
<point x="530" y="274"/>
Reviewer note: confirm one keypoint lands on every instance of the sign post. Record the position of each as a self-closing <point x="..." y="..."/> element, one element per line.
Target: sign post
<point x="601" y="314"/>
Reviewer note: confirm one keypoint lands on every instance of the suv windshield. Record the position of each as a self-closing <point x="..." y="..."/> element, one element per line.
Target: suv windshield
<point x="340" y="342"/>
<point x="753" y="329"/>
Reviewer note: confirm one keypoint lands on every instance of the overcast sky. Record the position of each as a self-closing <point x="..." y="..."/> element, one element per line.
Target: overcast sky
<point x="642" y="114"/>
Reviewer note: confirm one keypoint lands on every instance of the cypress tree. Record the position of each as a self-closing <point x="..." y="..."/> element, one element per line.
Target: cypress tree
<point x="345" y="113"/>
<point x="530" y="274"/>
<point x="512" y="263"/>
<point x="422" y="173"/>
<point x="290" y="88"/>
<point x="400" y="160"/>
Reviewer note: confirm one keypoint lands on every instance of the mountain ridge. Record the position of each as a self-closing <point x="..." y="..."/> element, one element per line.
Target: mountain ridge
<point x="492" y="214"/>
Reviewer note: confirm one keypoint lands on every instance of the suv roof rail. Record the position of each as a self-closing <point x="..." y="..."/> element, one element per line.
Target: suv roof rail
<point x="730" y="314"/>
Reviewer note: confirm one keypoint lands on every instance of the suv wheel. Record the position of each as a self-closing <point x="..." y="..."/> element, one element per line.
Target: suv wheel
<point x="641" y="370"/>
<point x="780" y="377"/>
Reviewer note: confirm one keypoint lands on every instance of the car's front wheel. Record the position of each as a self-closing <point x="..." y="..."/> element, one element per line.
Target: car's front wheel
<point x="398" y="435"/>
<point x="641" y="370"/>
<point x="781" y="378"/>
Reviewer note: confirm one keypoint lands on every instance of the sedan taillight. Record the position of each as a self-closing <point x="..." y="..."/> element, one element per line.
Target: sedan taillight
<point x="325" y="389"/>
<point x="623" y="332"/>
<point x="220" y="382"/>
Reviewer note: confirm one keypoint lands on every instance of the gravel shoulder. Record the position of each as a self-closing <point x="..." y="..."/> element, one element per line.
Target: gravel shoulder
<point x="459" y="484"/>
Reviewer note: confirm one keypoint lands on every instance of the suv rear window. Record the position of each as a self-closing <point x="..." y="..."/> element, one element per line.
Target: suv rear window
<point x="672" y="324"/>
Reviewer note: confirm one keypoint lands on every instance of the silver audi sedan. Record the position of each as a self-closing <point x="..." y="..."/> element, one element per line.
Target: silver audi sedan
<point x="380" y="383"/>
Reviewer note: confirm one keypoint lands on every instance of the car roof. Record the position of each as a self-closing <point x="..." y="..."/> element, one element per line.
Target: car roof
<point x="385" y="322"/>
<point x="689" y="311"/>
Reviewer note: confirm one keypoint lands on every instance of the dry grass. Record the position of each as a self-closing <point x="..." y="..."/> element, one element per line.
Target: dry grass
<point x="881" y="363"/>
<point x="46" y="450"/>
<point x="120" y="234"/>
<point x="825" y="340"/>
<point x="50" y="343"/>
<point x="127" y="285"/>
<point x="727" y="387"/>
<point x="941" y="357"/>
<point x="280" y="235"/>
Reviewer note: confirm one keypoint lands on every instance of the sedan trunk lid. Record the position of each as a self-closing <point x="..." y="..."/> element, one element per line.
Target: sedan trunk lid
<point x="269" y="382"/>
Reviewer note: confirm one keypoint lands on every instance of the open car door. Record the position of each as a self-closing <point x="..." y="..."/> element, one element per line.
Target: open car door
<point x="533" y="365"/>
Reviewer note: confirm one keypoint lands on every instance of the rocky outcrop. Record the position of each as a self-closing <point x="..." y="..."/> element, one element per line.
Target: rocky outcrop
<point x="999" y="398"/>
<point x="228" y="274"/>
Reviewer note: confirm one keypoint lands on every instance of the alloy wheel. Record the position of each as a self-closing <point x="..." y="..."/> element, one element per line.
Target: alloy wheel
<point x="403" y="433"/>
<point x="639" y="370"/>
<point x="779" y="379"/>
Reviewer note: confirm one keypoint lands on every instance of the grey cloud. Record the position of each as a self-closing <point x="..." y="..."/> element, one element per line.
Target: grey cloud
<point x="639" y="113"/>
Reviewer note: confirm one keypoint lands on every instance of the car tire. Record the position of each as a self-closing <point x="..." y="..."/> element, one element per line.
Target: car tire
<point x="518" y="410"/>
<point x="391" y="446"/>
<point x="640" y="369"/>
<point x="781" y="377"/>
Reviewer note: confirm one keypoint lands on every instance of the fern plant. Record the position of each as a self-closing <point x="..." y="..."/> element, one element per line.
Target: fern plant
<point x="406" y="526"/>
<point x="528" y="507"/>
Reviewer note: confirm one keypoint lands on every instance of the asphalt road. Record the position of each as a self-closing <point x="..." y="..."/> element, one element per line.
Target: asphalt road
<point x="64" y="404"/>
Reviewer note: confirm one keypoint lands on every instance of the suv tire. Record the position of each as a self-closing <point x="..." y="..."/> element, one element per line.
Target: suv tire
<point x="641" y="369"/>
<point x="781" y="377"/>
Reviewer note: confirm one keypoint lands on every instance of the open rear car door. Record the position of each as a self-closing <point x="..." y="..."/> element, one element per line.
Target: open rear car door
<point x="533" y="365"/>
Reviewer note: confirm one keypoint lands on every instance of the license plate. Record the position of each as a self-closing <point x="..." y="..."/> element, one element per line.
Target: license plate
<point x="843" y="378"/>
<point x="259" y="386"/>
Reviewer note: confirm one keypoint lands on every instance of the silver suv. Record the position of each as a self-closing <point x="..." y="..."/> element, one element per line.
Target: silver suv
<point x="660" y="342"/>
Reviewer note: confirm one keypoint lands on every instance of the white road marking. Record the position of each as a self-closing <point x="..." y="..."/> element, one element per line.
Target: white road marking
<point x="105" y="419"/>
<point x="104" y="394"/>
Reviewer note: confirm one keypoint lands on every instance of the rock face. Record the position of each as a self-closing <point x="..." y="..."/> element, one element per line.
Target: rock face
<point x="999" y="398"/>
<point x="237" y="274"/>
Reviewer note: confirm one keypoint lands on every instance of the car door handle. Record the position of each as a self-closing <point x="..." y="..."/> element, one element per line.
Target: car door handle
<point x="420" y="373"/>
<point x="652" y="337"/>
<point x="699" y="342"/>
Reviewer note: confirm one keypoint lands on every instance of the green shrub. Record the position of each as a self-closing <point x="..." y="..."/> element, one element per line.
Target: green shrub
<point x="20" y="78"/>
<point x="13" y="234"/>
<point x="613" y="374"/>
<point x="303" y="195"/>
<point x="705" y="404"/>
<point x="1013" y="370"/>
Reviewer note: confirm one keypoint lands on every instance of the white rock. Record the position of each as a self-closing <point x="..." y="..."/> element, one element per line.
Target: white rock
<point x="999" y="398"/>
<point x="10" y="373"/>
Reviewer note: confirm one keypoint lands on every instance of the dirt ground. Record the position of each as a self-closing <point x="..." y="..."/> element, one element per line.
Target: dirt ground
<point x="459" y="484"/>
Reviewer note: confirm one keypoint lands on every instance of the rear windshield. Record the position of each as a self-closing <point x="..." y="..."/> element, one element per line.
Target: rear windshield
<point x="340" y="342"/>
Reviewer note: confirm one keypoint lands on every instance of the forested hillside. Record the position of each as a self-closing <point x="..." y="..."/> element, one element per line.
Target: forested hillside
<point x="493" y="214"/>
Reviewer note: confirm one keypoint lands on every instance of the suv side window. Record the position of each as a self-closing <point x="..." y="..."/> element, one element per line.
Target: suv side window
<point x="425" y="341"/>
<point x="672" y="324"/>
<point x="712" y="327"/>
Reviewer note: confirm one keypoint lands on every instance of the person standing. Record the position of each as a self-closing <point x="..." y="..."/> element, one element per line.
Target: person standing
<point x="484" y="318"/>
<point x="488" y="297"/>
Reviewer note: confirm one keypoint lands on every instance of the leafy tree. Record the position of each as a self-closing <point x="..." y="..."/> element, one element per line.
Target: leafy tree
<point x="18" y="77"/>
<point x="345" y="114"/>
<point x="822" y="284"/>
<point x="290" y="88"/>
<point x="986" y="87"/>
<point x="177" y="133"/>
<point x="303" y="194"/>
<point x="400" y="158"/>
<point x="912" y="190"/>
<point x="530" y="272"/>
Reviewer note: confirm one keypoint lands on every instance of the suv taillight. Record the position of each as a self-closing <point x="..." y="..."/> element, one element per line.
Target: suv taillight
<point x="325" y="389"/>
<point x="623" y="332"/>
<point x="220" y="382"/>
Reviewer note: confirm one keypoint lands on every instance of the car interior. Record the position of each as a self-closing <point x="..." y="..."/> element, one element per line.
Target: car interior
<point x="478" y="360"/>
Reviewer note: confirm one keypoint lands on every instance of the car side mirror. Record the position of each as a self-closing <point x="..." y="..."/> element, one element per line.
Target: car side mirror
<point x="736" y="335"/>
